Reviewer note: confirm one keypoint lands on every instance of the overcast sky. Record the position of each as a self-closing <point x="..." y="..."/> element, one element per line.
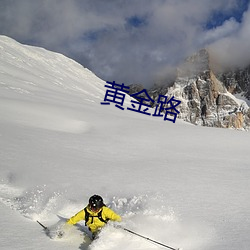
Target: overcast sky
<point x="131" y="41"/>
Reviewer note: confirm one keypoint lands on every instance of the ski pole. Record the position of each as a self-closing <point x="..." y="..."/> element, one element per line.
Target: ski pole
<point x="146" y="238"/>
<point x="45" y="228"/>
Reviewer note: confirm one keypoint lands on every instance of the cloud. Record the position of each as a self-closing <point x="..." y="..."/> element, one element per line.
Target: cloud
<point x="131" y="41"/>
<point x="228" y="28"/>
<point x="232" y="50"/>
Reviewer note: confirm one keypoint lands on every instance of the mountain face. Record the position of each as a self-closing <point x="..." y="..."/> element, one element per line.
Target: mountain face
<point x="208" y="98"/>
<point x="237" y="81"/>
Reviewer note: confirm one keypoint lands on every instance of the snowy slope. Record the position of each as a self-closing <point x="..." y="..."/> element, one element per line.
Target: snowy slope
<point x="179" y="184"/>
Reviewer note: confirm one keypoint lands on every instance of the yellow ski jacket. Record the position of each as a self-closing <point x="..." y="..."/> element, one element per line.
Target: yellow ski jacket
<point x="94" y="223"/>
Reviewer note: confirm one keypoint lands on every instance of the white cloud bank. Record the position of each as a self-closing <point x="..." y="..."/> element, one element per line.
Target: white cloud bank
<point x="129" y="41"/>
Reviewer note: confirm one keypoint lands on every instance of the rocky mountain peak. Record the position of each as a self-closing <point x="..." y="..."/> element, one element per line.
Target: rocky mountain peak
<point x="194" y="65"/>
<point x="206" y="97"/>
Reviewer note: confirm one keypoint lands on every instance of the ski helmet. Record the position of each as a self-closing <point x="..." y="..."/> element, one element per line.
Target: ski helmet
<point x="95" y="202"/>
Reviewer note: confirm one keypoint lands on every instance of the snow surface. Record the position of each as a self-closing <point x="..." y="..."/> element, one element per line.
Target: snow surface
<point x="182" y="185"/>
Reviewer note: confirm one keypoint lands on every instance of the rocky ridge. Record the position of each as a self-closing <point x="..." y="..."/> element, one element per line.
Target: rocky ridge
<point x="208" y="98"/>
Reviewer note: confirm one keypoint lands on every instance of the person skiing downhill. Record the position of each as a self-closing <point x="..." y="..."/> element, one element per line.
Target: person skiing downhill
<point x="95" y="214"/>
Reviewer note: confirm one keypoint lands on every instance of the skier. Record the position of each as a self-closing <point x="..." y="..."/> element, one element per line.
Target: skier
<point x="95" y="214"/>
